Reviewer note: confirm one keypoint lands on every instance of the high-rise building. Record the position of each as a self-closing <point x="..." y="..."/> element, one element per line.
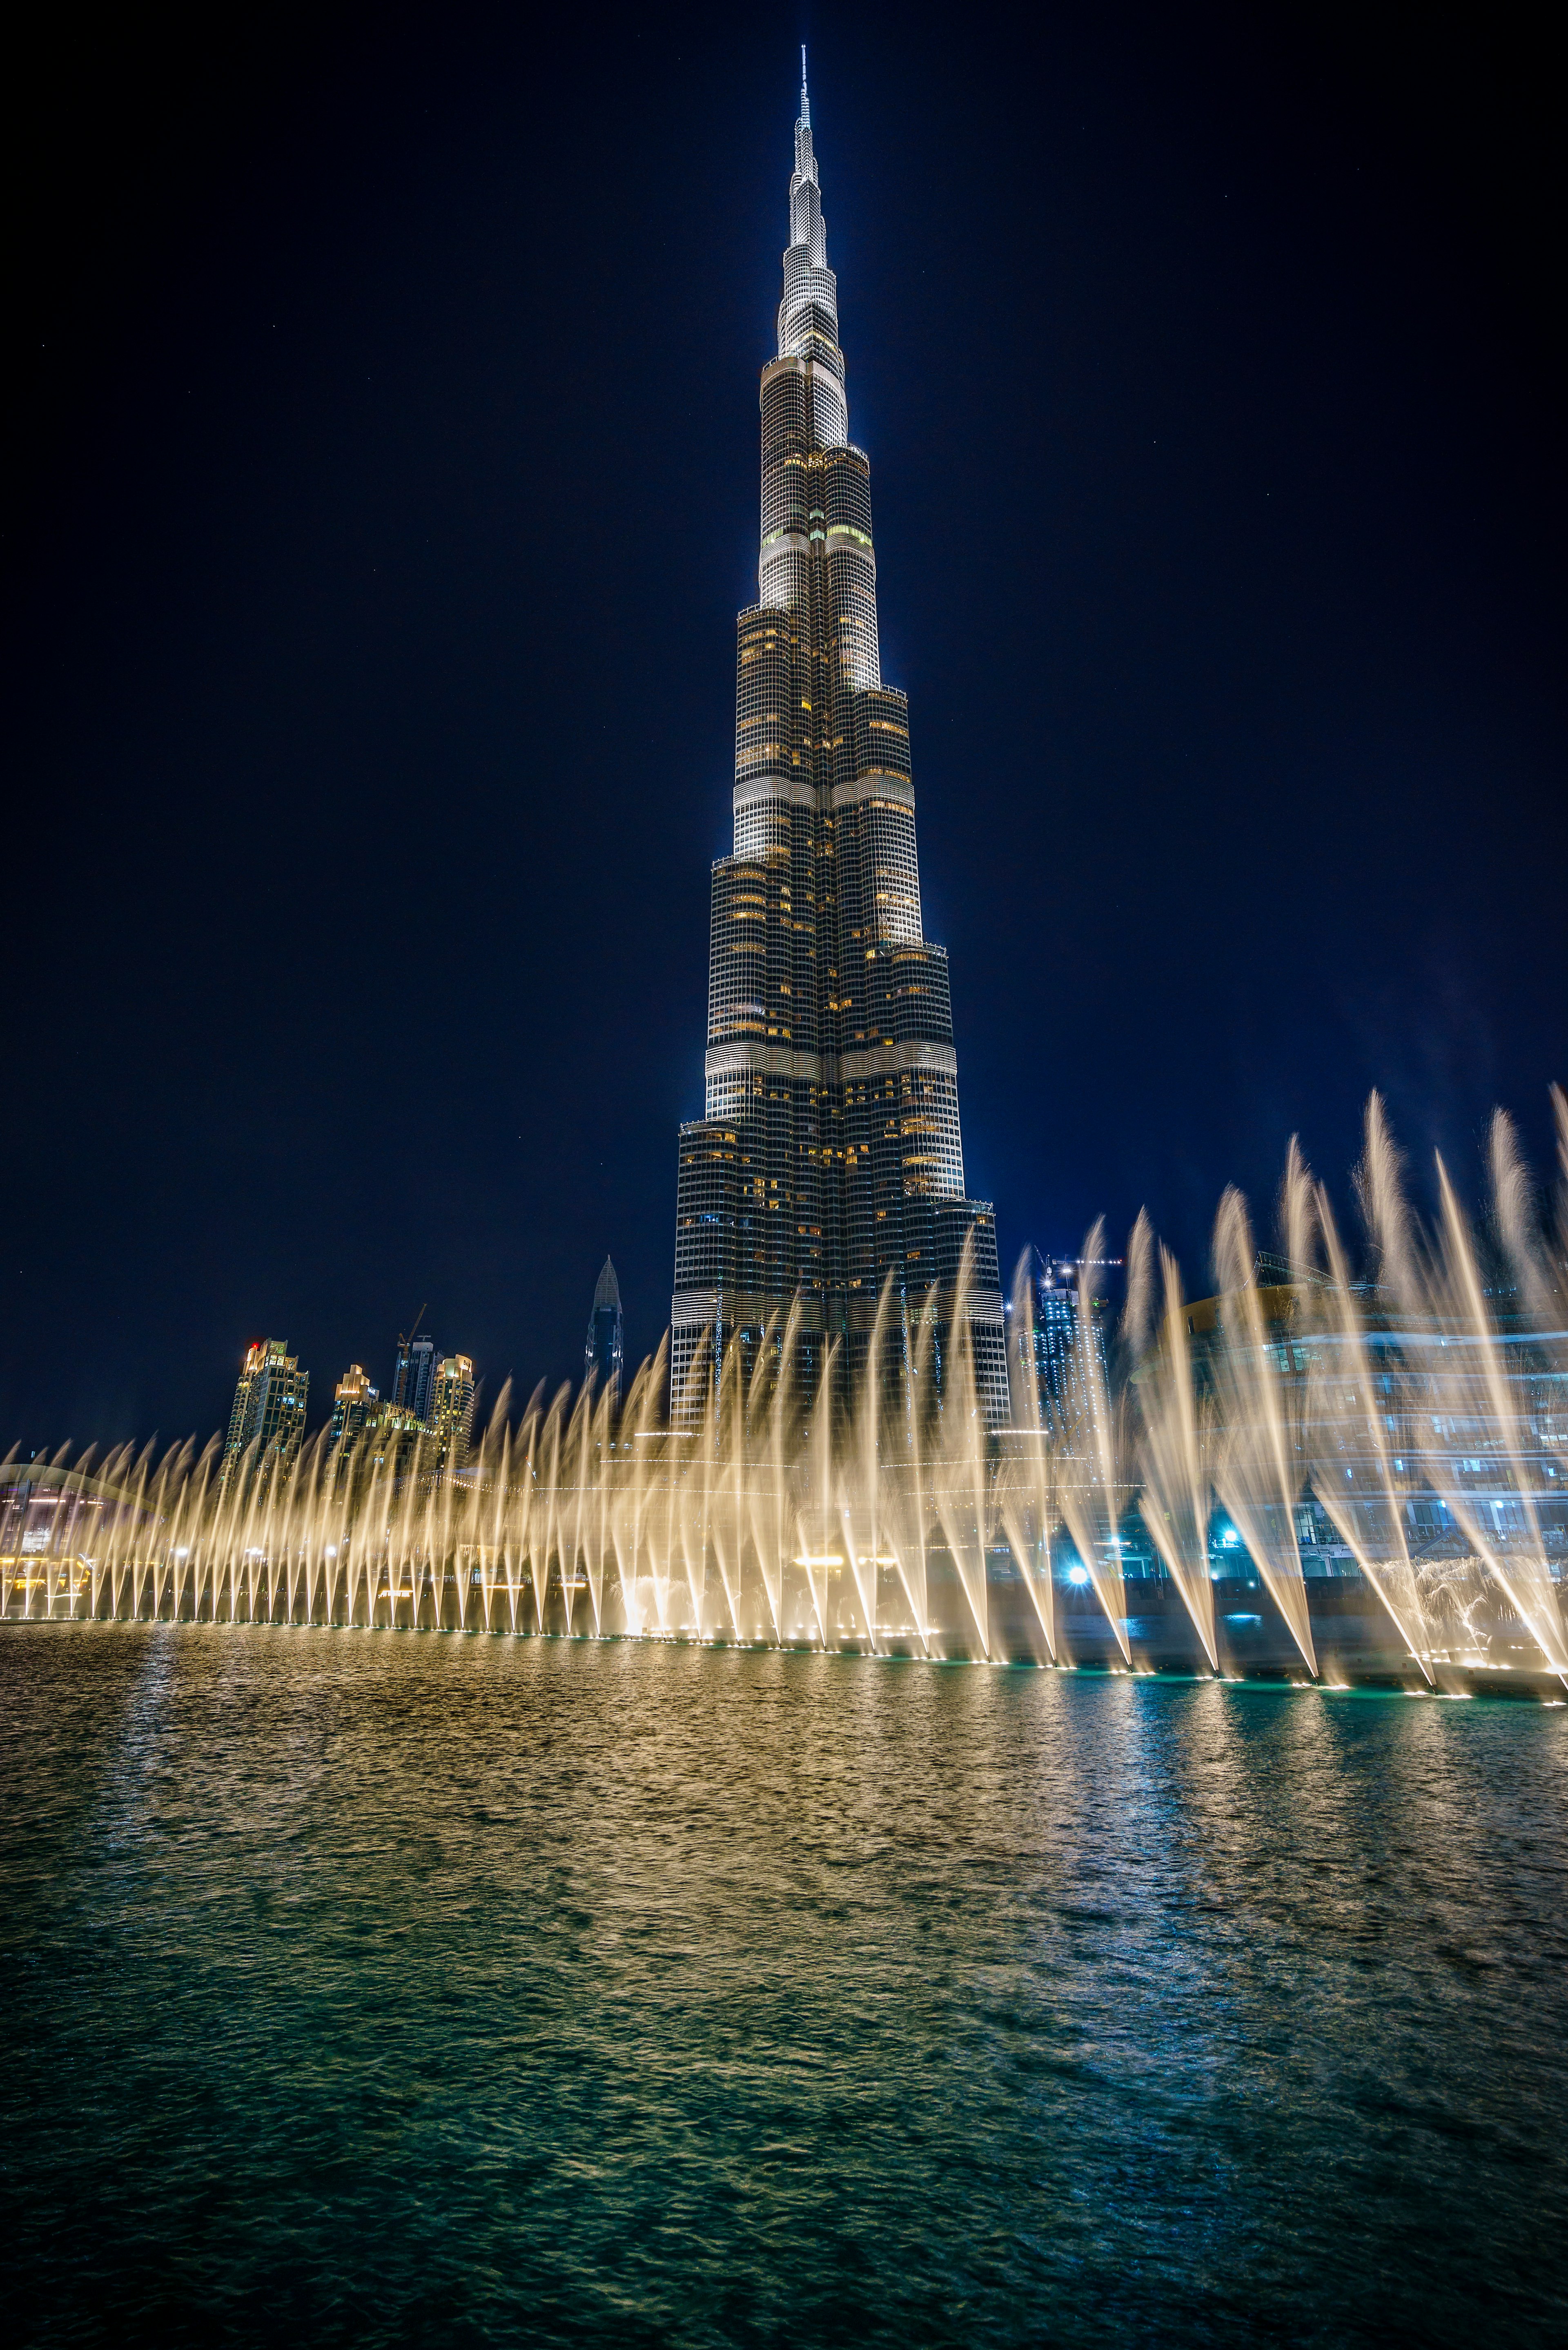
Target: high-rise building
<point x="830" y="1155"/>
<point x="413" y="1384"/>
<point x="1061" y="1386"/>
<point x="603" y="1351"/>
<point x="454" y="1411"/>
<point x="269" y="1408"/>
<point x="392" y="1438"/>
<point x="353" y="1405"/>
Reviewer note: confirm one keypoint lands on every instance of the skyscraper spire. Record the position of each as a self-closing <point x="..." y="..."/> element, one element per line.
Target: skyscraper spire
<point x="808" y="313"/>
<point x="829" y="1159"/>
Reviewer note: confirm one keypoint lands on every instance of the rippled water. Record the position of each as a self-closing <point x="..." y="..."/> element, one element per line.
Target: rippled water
<point x="384" y="1988"/>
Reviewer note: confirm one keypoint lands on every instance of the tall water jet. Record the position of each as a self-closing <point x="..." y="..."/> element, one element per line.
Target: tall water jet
<point x="1260" y="1469"/>
<point x="1559" y="1262"/>
<point x="1537" y="1254"/>
<point x="1025" y="1482"/>
<point x="1092" y="1490"/>
<point x="909" y="1495"/>
<point x="1352" y="1408"/>
<point x="1514" y="1209"/>
<point x="645" y="1416"/>
<point x="1298" y="1217"/>
<point x="1379" y="1187"/>
<point x="1409" y="1430"/>
<point x="1493" y="1502"/>
<point x="1174" y="1462"/>
<point x="861" y="1475"/>
<point x="775" y="1531"/>
<point x="963" y="1487"/>
<point x="725" y="1517"/>
<point x="819" y="1520"/>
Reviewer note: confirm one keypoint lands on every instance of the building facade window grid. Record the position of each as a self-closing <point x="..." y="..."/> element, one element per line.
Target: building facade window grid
<point x="816" y="1172"/>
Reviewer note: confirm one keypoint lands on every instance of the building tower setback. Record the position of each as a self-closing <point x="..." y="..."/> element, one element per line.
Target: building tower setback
<point x="829" y="1156"/>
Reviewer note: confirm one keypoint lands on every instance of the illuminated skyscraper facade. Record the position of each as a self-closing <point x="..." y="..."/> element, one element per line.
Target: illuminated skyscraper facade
<point x="413" y="1382"/>
<point x="454" y="1411"/>
<point x="268" y="1421"/>
<point x="1065" y="1392"/>
<point x="355" y="1404"/>
<point x="830" y="1154"/>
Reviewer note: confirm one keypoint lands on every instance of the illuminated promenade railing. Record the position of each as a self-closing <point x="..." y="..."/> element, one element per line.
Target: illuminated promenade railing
<point x="1303" y="1435"/>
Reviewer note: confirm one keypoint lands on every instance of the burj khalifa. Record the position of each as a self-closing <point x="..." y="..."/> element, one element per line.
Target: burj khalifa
<point x="829" y="1156"/>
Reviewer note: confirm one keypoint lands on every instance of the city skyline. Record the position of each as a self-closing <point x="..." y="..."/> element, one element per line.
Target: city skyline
<point x="973" y="1752"/>
<point x="368" y="668"/>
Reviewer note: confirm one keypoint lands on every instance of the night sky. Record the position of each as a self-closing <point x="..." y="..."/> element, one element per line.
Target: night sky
<point x="382" y="486"/>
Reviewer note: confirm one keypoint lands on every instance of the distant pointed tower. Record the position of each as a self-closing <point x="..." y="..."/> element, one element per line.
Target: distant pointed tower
<point x="604" y="1355"/>
<point x="829" y="1156"/>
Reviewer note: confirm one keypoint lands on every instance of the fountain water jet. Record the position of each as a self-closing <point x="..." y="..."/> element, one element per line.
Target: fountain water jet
<point x="1259" y="1469"/>
<point x="1369" y="1518"/>
<point x="1026" y="1487"/>
<point x="1174" y="1460"/>
<point x="1091" y="1489"/>
<point x="871" y="1512"/>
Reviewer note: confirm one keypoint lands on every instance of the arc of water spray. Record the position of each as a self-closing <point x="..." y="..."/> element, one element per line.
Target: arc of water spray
<point x="774" y="1522"/>
<point x="815" y="1561"/>
<point x="1447" y="1293"/>
<point x="753" y="1519"/>
<point x="859" y="1483"/>
<point x="1174" y="1503"/>
<point x="694" y="1512"/>
<point x="1025" y="1487"/>
<point x="727" y="1511"/>
<point x="909" y="1541"/>
<point x="962" y="1488"/>
<point x="646" y="1418"/>
<point x="894" y="1507"/>
<point x="1261" y="1471"/>
<point x="1526" y="1581"/>
<point x="1089" y="1486"/>
<point x="1543" y="1284"/>
<point x="1389" y="1571"/>
<point x="579" y="1448"/>
<point x="673" y="1516"/>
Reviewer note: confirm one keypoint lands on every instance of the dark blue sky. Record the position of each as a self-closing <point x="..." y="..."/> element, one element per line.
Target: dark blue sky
<point x="383" y="486"/>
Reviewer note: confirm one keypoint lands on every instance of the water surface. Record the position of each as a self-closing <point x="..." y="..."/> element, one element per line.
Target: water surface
<point x="386" y="1988"/>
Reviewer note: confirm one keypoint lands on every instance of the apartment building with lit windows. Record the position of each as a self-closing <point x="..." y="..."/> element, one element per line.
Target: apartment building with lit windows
<point x="267" y="1423"/>
<point x="454" y="1411"/>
